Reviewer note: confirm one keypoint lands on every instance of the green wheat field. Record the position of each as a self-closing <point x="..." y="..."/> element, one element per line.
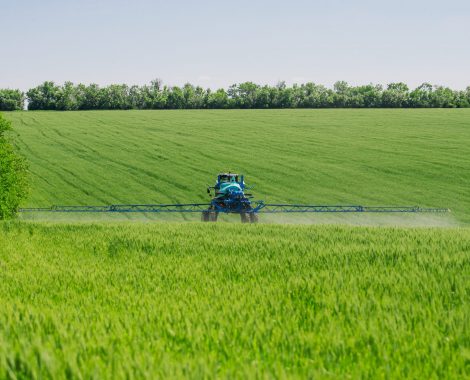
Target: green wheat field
<point x="370" y="157"/>
<point x="149" y="296"/>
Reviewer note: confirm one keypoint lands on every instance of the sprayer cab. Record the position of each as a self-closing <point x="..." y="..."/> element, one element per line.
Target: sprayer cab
<point x="228" y="184"/>
<point x="231" y="178"/>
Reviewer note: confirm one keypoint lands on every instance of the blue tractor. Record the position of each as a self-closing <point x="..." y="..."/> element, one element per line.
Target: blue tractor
<point x="230" y="197"/>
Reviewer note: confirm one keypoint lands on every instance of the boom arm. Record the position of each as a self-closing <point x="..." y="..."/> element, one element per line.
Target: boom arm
<point x="256" y="206"/>
<point x="178" y="207"/>
<point x="278" y="208"/>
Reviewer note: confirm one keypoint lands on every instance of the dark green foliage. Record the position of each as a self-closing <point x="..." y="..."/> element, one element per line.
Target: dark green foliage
<point x="11" y="100"/>
<point x="248" y="95"/>
<point x="13" y="184"/>
<point x="46" y="96"/>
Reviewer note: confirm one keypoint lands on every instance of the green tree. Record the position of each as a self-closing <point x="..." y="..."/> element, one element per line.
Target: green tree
<point x="67" y="99"/>
<point x="244" y="94"/>
<point x="218" y="99"/>
<point x="176" y="99"/>
<point x="341" y="94"/>
<point x="13" y="174"/>
<point x="135" y="100"/>
<point x="396" y="95"/>
<point x="43" y="97"/>
<point x="11" y="100"/>
<point x="194" y="97"/>
<point x="444" y="97"/>
<point x="116" y="97"/>
<point x="368" y="96"/>
<point x="283" y="96"/>
<point x="156" y="95"/>
<point x="90" y="97"/>
<point x="312" y="95"/>
<point x="421" y="96"/>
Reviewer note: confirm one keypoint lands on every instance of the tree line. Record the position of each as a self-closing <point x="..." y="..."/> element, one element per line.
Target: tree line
<point x="248" y="95"/>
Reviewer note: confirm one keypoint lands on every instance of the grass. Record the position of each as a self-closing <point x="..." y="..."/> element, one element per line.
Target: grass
<point x="370" y="157"/>
<point x="231" y="300"/>
<point x="167" y="300"/>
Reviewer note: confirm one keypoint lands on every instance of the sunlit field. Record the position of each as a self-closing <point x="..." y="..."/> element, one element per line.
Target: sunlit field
<point x="231" y="300"/>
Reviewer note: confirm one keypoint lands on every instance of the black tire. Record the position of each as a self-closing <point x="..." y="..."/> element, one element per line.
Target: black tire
<point x="253" y="217"/>
<point x="244" y="217"/>
<point x="205" y="216"/>
<point x="213" y="216"/>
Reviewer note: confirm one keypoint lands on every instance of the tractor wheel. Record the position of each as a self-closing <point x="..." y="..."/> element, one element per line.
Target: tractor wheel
<point x="244" y="218"/>
<point x="213" y="216"/>
<point x="253" y="217"/>
<point x="205" y="216"/>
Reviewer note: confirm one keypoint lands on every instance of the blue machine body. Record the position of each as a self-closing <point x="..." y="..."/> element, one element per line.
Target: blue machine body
<point x="230" y="196"/>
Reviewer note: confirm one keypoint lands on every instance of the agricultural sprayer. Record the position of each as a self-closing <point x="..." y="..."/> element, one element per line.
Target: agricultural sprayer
<point x="230" y="197"/>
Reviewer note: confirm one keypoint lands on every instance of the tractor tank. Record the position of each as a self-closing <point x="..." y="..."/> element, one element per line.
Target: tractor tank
<point x="229" y="189"/>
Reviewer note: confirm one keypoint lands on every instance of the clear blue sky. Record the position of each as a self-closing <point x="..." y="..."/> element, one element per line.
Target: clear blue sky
<point x="217" y="43"/>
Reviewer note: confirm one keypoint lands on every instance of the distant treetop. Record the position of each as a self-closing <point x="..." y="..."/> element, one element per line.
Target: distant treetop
<point x="247" y="95"/>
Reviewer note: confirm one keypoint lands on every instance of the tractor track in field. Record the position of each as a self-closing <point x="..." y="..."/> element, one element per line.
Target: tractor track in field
<point x="94" y="188"/>
<point x="315" y="156"/>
